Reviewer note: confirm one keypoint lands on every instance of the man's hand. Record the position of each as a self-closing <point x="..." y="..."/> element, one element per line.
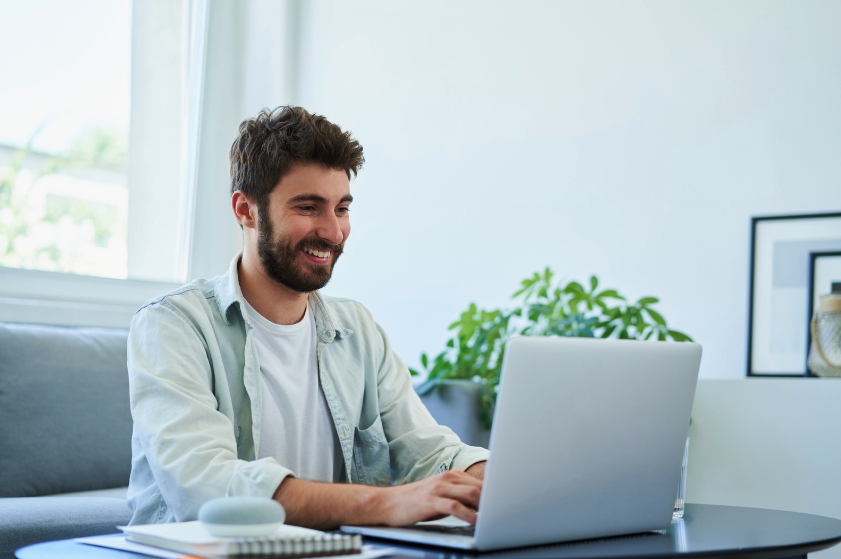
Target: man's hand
<point x="328" y="505"/>
<point x="449" y="493"/>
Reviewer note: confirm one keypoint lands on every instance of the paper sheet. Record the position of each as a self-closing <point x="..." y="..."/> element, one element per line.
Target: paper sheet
<point x="120" y="542"/>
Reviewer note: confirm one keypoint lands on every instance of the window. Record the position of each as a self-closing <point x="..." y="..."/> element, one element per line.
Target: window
<point x="99" y="110"/>
<point x="64" y="109"/>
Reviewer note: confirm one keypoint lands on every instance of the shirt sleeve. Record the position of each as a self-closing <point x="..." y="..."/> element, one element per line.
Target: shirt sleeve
<point x="418" y="445"/>
<point x="189" y="445"/>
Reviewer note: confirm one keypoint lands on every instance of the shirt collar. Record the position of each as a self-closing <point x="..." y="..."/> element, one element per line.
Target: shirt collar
<point x="228" y="292"/>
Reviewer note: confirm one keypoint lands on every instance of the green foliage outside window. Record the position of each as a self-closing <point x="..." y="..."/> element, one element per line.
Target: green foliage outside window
<point x="542" y="308"/>
<point x="96" y="148"/>
<point x="102" y="216"/>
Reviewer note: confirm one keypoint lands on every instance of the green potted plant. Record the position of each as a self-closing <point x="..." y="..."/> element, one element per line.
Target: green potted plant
<point x="462" y="380"/>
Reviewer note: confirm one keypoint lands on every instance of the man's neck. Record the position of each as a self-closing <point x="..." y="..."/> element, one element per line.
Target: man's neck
<point x="272" y="300"/>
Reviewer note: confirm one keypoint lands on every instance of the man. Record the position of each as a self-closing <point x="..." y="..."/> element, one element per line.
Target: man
<point x="253" y="383"/>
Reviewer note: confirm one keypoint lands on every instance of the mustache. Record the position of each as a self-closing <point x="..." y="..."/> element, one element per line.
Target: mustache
<point x="320" y="244"/>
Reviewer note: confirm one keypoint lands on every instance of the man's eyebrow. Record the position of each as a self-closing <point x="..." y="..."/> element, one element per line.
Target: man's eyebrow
<point x="316" y="198"/>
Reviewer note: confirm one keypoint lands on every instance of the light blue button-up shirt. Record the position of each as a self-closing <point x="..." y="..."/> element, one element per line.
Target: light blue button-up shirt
<point x="196" y="402"/>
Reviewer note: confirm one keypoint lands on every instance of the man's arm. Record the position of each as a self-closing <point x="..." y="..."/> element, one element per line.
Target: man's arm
<point x="327" y="505"/>
<point x="419" y="446"/>
<point x="477" y="470"/>
<point x="189" y="446"/>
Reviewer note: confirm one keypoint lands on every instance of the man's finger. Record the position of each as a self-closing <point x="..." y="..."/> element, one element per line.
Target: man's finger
<point x="454" y="508"/>
<point x="456" y="476"/>
<point x="467" y="494"/>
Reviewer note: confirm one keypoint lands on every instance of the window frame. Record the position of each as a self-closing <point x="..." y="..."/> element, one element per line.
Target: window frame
<point x="61" y="299"/>
<point x="66" y="299"/>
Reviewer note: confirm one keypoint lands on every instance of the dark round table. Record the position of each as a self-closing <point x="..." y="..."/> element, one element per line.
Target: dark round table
<point x="705" y="531"/>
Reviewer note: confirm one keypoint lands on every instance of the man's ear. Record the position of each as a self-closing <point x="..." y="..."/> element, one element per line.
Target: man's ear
<point x="245" y="210"/>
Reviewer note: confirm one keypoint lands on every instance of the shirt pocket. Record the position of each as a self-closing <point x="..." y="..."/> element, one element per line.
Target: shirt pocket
<point x="370" y="455"/>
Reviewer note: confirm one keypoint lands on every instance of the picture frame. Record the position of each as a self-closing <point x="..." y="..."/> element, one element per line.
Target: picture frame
<point x="824" y="271"/>
<point x="778" y="299"/>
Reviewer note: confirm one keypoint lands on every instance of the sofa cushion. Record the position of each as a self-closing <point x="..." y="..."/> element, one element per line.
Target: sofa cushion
<point x="115" y="493"/>
<point x="24" y="521"/>
<point x="64" y="408"/>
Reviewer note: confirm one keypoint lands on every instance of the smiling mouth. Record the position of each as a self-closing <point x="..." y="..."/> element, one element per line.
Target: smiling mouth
<point x="320" y="254"/>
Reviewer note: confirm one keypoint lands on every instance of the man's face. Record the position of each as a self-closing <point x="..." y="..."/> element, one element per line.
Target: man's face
<point x="304" y="229"/>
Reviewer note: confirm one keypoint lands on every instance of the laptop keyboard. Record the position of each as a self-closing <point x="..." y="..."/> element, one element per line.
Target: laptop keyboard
<point x="454" y="530"/>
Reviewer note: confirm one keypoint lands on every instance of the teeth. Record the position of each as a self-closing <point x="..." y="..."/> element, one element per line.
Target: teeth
<point x="317" y="253"/>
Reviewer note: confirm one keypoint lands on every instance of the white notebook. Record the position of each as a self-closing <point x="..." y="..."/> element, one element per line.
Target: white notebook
<point x="288" y="541"/>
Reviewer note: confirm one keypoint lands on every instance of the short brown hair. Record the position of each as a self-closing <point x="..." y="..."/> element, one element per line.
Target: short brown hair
<point x="269" y="144"/>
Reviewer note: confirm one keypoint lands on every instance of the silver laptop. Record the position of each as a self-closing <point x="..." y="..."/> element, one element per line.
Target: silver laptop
<point x="587" y="441"/>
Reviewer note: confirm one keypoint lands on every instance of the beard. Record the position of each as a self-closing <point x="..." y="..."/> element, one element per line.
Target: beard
<point x="279" y="258"/>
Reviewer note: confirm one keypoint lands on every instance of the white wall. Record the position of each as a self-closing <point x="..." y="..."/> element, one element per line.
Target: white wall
<point x="632" y="140"/>
<point x="767" y="443"/>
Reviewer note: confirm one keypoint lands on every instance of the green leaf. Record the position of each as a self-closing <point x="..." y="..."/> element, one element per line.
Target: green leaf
<point x="413" y="372"/>
<point x="609" y="293"/>
<point x="541" y="309"/>
<point x="467" y="332"/>
<point x="655" y="316"/>
<point x="661" y="336"/>
<point x="648" y="301"/>
<point x="425" y="360"/>
<point x="679" y="336"/>
<point x="450" y="343"/>
<point x="594" y="282"/>
<point x="577" y="298"/>
<point x="526" y="285"/>
<point x="573" y="287"/>
<point x="438" y="370"/>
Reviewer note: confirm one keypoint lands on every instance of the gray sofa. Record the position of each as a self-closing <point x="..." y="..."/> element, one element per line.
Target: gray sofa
<point x="65" y="433"/>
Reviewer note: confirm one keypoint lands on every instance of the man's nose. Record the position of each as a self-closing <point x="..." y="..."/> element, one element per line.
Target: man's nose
<point x="330" y="231"/>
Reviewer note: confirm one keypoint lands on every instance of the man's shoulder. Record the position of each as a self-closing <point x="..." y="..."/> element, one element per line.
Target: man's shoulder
<point x="187" y="299"/>
<point x="349" y="312"/>
<point x="332" y="299"/>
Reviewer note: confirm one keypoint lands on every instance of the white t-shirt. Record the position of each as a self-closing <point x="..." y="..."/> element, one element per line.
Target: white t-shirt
<point x="296" y="427"/>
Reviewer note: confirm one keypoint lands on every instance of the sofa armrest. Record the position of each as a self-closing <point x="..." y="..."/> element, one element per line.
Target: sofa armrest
<point x="28" y="520"/>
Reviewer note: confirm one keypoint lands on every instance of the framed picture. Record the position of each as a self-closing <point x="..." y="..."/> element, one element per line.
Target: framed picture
<point x="779" y="297"/>
<point x="824" y="277"/>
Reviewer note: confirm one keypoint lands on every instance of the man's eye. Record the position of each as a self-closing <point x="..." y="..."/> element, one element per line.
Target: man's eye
<point x="343" y="210"/>
<point x="307" y="208"/>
